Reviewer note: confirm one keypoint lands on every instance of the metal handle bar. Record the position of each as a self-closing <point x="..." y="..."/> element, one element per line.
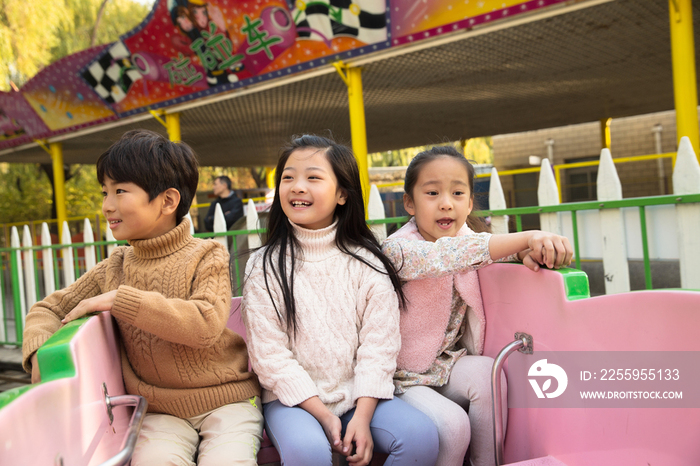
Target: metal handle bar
<point x="140" y="404"/>
<point x="523" y="343"/>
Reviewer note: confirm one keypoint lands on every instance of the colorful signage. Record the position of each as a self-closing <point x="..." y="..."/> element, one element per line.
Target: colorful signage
<point x="188" y="49"/>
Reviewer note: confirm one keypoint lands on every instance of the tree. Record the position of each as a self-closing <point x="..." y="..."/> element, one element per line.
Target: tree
<point x="479" y="150"/>
<point x="25" y="193"/>
<point x="28" y="33"/>
<point x="33" y="34"/>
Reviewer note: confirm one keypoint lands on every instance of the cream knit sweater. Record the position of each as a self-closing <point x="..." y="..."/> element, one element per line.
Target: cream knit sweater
<point x="348" y="327"/>
<point x="173" y="301"/>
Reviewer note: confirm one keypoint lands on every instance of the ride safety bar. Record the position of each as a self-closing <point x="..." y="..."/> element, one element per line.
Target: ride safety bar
<point x="522" y="343"/>
<point x="140" y="405"/>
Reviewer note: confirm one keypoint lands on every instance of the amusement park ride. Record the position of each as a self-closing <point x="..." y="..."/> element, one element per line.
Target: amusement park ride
<point x="80" y="415"/>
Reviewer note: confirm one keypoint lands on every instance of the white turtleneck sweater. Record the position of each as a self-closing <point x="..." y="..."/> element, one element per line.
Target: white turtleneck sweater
<point x="347" y="337"/>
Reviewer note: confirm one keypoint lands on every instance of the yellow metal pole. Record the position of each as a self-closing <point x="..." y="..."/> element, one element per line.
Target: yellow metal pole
<point x="172" y="124"/>
<point x="358" y="130"/>
<point x="270" y="177"/>
<point x="605" y="133"/>
<point x="557" y="176"/>
<point x="352" y="76"/>
<point x="684" y="82"/>
<point x="59" y="183"/>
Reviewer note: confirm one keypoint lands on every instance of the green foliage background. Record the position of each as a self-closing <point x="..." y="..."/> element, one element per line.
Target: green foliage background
<point x="476" y="150"/>
<point x="34" y="34"/>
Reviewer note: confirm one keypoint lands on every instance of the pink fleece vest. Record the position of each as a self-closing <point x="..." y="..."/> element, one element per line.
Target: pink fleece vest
<point x="424" y="322"/>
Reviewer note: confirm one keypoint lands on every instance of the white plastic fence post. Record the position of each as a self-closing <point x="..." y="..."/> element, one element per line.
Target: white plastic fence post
<point x="686" y="180"/>
<point x="67" y="255"/>
<point x="109" y="236"/>
<point x="612" y="226"/>
<point x="14" y="244"/>
<point x="47" y="260"/>
<point x="28" y="259"/>
<point x="548" y="194"/>
<point x="251" y="223"/>
<point x="375" y="211"/>
<point x="220" y="225"/>
<point x="89" y="237"/>
<point x="497" y="201"/>
<point x="189" y="217"/>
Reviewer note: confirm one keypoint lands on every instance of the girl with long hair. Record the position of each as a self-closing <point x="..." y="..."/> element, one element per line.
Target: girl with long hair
<point x="321" y="307"/>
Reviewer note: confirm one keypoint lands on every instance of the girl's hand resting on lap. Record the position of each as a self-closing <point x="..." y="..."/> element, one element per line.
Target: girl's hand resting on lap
<point x="359" y="433"/>
<point x="332" y="427"/>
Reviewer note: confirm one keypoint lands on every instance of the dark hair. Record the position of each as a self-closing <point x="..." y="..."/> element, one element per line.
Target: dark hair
<point x="351" y="232"/>
<point x="475" y="223"/>
<point x="226" y="180"/>
<point x="154" y="164"/>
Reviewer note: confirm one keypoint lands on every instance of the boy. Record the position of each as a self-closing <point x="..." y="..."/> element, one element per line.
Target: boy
<point x="170" y="295"/>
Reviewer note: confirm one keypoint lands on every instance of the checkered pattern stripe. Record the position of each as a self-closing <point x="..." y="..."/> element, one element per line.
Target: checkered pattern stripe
<point x="326" y="19"/>
<point x="112" y="75"/>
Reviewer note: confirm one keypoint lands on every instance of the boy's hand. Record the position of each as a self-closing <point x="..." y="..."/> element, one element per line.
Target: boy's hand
<point x="101" y="303"/>
<point x="549" y="249"/>
<point x="36" y="375"/>
<point x="359" y="433"/>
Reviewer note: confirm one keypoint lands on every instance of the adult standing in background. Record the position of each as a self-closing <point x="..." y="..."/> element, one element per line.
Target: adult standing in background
<point x="231" y="205"/>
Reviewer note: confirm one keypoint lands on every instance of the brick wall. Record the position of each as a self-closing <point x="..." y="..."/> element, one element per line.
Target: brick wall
<point x="630" y="136"/>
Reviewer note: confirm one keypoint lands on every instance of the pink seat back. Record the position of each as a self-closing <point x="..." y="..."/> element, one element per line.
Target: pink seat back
<point x="235" y="320"/>
<point x="519" y="300"/>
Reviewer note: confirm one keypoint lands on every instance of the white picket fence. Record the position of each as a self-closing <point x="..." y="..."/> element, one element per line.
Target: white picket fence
<point x="603" y="233"/>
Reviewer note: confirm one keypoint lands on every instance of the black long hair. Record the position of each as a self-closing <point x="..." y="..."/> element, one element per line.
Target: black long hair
<point x="475" y="223"/>
<point x="351" y="232"/>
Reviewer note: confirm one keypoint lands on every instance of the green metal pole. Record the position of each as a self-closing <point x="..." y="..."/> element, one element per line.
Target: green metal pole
<point x="2" y="296"/>
<point x="76" y="264"/>
<point x="236" y="270"/>
<point x="56" y="272"/>
<point x="645" y="247"/>
<point x="14" y="271"/>
<point x="35" y="258"/>
<point x="574" y="224"/>
<point x="518" y="223"/>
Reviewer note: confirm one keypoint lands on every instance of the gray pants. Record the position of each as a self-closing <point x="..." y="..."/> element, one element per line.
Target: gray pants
<point x="469" y="388"/>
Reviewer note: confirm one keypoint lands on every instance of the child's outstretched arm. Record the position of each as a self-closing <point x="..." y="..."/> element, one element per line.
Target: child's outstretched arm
<point x="536" y="247"/>
<point x="416" y="259"/>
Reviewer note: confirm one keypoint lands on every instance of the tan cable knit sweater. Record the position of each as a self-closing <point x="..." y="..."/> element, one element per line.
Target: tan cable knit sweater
<point x="348" y="327"/>
<point x="172" y="305"/>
